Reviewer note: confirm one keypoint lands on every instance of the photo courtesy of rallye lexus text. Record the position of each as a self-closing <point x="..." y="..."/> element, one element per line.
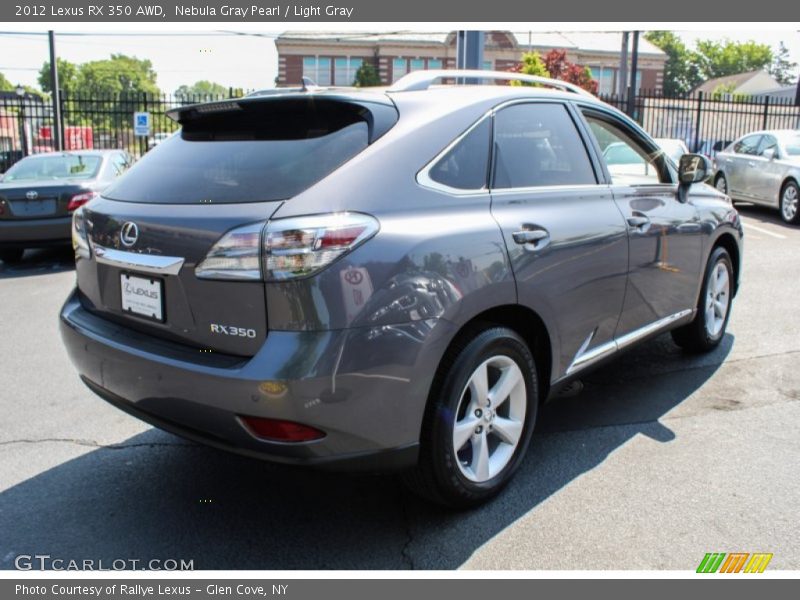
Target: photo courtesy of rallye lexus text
<point x="394" y="278"/>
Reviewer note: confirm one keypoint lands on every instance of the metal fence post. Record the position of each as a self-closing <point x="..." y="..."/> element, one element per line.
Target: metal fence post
<point x="766" y="112"/>
<point x="698" y="114"/>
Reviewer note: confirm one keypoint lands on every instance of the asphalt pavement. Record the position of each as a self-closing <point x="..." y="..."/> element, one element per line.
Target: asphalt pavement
<point x="659" y="459"/>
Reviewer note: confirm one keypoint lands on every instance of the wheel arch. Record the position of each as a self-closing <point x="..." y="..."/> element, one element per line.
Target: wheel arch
<point x="527" y="324"/>
<point x="727" y="241"/>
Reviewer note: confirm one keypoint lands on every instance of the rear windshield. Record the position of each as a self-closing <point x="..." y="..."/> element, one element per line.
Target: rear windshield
<point x="266" y="151"/>
<point x="57" y="166"/>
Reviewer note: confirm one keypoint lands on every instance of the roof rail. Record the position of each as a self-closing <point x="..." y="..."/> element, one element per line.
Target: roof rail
<point x="422" y="80"/>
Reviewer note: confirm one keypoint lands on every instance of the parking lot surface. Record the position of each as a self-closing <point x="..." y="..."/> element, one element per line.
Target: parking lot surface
<point x="660" y="458"/>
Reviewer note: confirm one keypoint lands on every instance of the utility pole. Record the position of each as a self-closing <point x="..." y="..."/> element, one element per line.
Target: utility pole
<point x="469" y="51"/>
<point x="634" y="69"/>
<point x="56" y="94"/>
<point x="622" y="79"/>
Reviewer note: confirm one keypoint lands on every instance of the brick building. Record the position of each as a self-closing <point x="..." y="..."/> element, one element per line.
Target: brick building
<point x="333" y="58"/>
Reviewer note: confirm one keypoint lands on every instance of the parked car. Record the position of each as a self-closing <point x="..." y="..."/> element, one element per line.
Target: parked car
<point x="674" y="148"/>
<point x="39" y="193"/>
<point x="763" y="167"/>
<point x="362" y="279"/>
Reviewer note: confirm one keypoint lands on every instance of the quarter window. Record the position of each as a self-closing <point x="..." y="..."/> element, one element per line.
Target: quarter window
<point x="465" y="165"/>
<point x="538" y="145"/>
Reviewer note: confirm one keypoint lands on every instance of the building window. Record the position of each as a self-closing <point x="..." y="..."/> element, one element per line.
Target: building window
<point x="488" y="65"/>
<point x="318" y="69"/>
<point x="605" y="79"/>
<point x="417" y="64"/>
<point x="434" y="63"/>
<point x="344" y="70"/>
<point x="399" y="68"/>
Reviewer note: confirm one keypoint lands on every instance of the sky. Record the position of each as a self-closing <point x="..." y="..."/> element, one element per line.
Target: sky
<point x="243" y="59"/>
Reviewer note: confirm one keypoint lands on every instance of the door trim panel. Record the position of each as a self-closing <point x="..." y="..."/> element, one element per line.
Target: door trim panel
<point x="586" y="356"/>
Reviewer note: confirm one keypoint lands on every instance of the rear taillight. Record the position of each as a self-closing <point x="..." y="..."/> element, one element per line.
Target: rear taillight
<point x="237" y="255"/>
<point x="286" y="248"/>
<point x="79" y="200"/>
<point x="278" y="430"/>
<point x="80" y="238"/>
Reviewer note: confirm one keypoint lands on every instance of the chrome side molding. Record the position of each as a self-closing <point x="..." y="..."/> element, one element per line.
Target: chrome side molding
<point x="585" y="356"/>
<point x="144" y="263"/>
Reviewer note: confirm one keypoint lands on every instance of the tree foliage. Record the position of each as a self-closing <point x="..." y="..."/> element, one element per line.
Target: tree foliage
<point x="681" y="71"/>
<point x="67" y="76"/>
<point x="367" y="76"/>
<point x="5" y="84"/>
<point x="555" y="65"/>
<point x="686" y="68"/>
<point x="783" y="69"/>
<point x="718" y="59"/>
<point x="202" y="89"/>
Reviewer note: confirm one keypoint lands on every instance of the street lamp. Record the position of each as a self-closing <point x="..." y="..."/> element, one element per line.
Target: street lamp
<point x="20" y="91"/>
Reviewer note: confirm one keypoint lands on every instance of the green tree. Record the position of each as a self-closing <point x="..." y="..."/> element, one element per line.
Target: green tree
<point x="5" y="84"/>
<point x="718" y="59"/>
<point x="202" y="89"/>
<point x="531" y="64"/>
<point x="367" y="76"/>
<point x="681" y="71"/>
<point x="67" y="76"/>
<point x="783" y="69"/>
<point x="126" y="76"/>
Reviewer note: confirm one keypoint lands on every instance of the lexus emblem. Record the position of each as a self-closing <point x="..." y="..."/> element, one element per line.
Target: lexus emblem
<point x="129" y="234"/>
<point x="32" y="195"/>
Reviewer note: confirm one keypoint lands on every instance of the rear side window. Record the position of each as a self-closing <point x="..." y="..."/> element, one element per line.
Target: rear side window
<point x="537" y="145"/>
<point x="263" y="151"/>
<point x="465" y="166"/>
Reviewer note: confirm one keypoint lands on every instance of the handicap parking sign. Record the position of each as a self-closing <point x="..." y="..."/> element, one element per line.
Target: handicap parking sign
<point x="141" y="123"/>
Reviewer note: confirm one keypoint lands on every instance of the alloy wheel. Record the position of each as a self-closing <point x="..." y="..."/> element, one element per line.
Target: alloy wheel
<point x="722" y="185"/>
<point x="717" y="299"/>
<point x="490" y="418"/>
<point x="789" y="203"/>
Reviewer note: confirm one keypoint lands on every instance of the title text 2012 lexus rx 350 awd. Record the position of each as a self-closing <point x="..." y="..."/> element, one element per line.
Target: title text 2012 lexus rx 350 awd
<point x="393" y="278"/>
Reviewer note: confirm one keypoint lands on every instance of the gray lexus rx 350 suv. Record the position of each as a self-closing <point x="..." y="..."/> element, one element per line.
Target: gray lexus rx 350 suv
<point x="391" y="279"/>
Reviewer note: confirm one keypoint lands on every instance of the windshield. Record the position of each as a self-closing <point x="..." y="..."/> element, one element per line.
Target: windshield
<point x="60" y="166"/>
<point x="792" y="145"/>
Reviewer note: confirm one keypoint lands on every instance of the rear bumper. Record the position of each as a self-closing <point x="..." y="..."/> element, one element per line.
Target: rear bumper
<point x="366" y="388"/>
<point x="27" y="233"/>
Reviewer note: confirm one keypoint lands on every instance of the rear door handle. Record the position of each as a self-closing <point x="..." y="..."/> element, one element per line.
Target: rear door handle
<point x="538" y="238"/>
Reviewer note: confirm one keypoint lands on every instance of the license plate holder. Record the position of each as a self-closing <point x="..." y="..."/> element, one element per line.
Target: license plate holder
<point x="142" y="296"/>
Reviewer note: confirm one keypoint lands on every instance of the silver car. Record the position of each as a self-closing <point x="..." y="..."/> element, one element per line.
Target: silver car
<point x="763" y="167"/>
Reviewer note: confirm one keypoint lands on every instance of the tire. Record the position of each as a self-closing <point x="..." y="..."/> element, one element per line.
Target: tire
<point x="465" y="477"/>
<point x="790" y="203"/>
<point x="707" y="328"/>
<point x="11" y="256"/>
<point x="721" y="184"/>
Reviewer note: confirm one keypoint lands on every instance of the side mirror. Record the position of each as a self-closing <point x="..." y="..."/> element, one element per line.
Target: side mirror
<point x="693" y="168"/>
<point x="769" y="153"/>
